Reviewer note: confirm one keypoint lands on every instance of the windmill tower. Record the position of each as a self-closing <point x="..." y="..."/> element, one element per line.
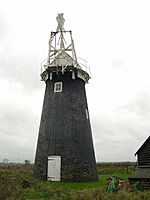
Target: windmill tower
<point x="65" y="147"/>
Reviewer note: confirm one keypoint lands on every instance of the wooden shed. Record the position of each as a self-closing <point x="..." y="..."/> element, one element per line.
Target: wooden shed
<point x="142" y="170"/>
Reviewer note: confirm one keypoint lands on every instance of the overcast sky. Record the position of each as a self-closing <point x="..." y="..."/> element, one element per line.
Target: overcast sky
<point x="113" y="36"/>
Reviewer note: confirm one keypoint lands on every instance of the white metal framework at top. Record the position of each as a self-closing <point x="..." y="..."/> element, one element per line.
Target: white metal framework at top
<point x="62" y="56"/>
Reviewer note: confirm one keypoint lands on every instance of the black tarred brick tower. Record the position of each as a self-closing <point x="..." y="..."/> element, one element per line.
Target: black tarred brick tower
<point x="65" y="128"/>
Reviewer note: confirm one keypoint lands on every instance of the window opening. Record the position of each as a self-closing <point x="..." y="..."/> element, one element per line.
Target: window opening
<point x="58" y="87"/>
<point x="87" y="113"/>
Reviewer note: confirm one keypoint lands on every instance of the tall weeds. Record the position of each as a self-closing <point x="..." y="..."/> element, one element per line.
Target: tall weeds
<point x="17" y="183"/>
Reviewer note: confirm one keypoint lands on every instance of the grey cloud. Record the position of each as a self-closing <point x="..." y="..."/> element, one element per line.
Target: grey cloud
<point x="18" y="130"/>
<point x="3" y="28"/>
<point x="119" y="135"/>
<point x="140" y="106"/>
<point x="24" y="70"/>
<point x="18" y="121"/>
<point x="118" y="63"/>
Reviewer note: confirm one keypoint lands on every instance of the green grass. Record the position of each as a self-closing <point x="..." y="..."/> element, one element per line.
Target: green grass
<point x="17" y="183"/>
<point x="100" y="183"/>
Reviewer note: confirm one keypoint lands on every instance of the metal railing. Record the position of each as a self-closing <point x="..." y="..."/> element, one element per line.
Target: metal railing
<point x="81" y="62"/>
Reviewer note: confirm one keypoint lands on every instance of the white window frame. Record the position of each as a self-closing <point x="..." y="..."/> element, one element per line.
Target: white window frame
<point x="58" y="87"/>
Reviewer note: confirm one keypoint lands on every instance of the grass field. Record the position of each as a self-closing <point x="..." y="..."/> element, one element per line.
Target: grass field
<point x="17" y="183"/>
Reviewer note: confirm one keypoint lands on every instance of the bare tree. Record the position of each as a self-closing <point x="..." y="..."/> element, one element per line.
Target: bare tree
<point x="27" y="162"/>
<point x="5" y="161"/>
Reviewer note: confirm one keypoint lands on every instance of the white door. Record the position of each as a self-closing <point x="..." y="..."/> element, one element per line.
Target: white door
<point x="54" y="168"/>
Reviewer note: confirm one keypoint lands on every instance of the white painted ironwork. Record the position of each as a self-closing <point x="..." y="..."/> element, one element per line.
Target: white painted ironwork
<point x="61" y="21"/>
<point x="62" y="54"/>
